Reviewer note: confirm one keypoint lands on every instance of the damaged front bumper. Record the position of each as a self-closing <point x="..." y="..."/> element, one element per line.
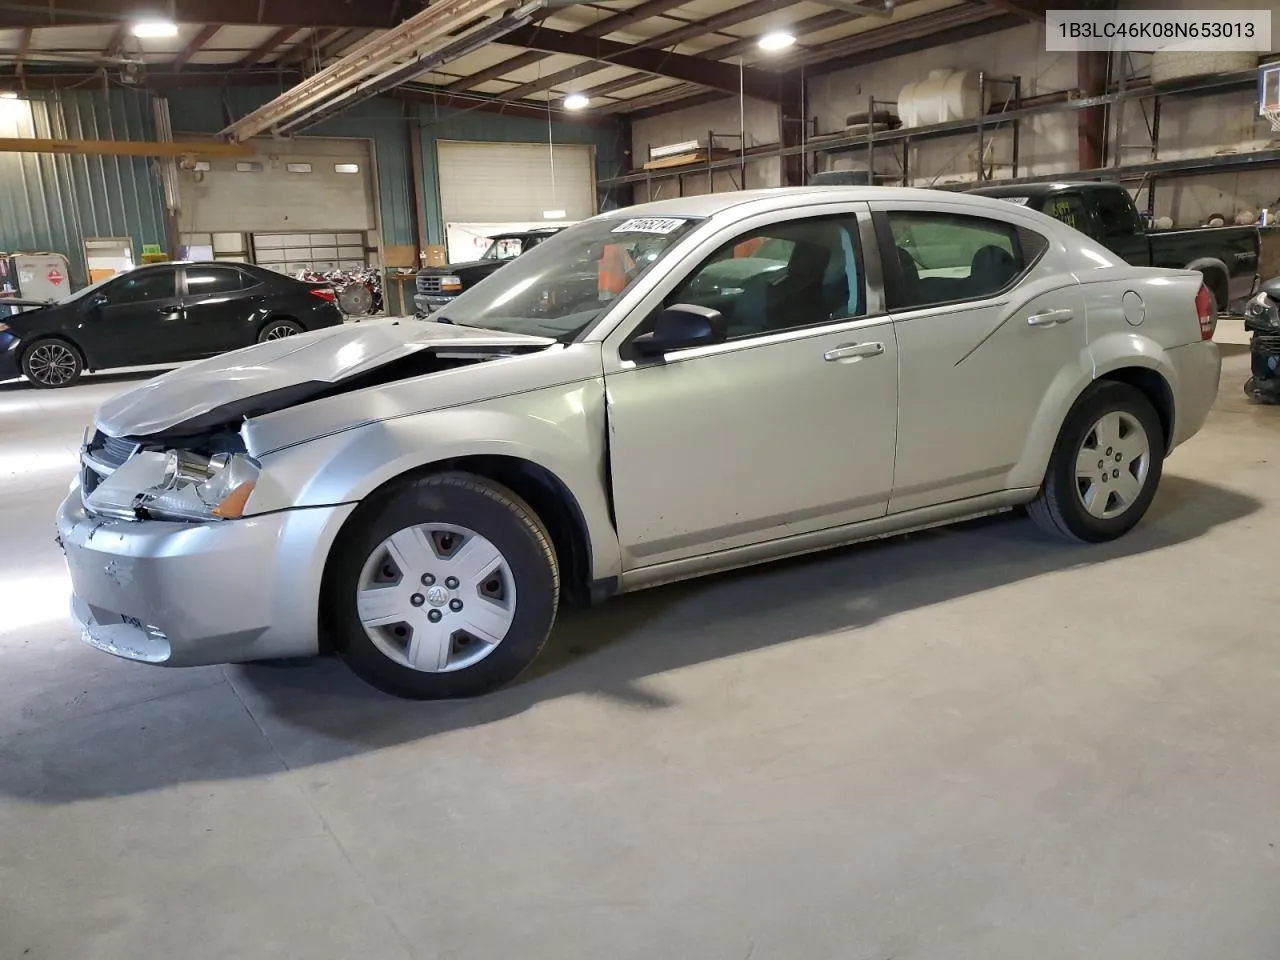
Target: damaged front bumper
<point x="187" y="594"/>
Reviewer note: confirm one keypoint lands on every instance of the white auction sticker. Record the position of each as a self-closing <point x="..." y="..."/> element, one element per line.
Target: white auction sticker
<point x="661" y="225"/>
<point x="1147" y="31"/>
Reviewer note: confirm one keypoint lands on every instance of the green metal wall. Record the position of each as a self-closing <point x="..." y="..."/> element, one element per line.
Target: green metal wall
<point x="54" y="203"/>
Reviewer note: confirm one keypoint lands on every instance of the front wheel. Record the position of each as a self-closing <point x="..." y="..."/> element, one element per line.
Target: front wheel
<point x="444" y="587"/>
<point x="52" y="363"/>
<point x="1105" y="467"/>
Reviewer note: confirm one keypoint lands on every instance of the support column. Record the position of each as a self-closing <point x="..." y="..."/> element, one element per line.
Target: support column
<point x="1091" y="78"/>
<point x="793" y="114"/>
<point x="413" y="131"/>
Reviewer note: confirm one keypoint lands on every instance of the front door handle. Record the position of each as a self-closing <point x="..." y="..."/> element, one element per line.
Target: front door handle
<point x="1050" y="318"/>
<point x="853" y="351"/>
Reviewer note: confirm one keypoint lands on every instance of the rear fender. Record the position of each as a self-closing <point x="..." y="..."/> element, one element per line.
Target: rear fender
<point x="1106" y="355"/>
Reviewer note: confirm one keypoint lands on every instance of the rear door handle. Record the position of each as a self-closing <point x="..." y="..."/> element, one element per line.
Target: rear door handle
<point x="1050" y="318"/>
<point x="853" y="351"/>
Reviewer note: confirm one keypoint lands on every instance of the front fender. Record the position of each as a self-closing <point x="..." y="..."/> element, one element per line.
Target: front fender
<point x="561" y="430"/>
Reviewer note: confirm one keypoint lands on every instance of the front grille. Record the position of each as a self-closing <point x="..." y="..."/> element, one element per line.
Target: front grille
<point x="429" y="285"/>
<point x="112" y="451"/>
<point x="102" y="457"/>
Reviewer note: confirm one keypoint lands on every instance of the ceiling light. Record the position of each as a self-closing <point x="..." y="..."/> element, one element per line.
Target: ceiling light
<point x="576" y="101"/>
<point x="155" y="28"/>
<point x="775" y="41"/>
<point x="553" y="214"/>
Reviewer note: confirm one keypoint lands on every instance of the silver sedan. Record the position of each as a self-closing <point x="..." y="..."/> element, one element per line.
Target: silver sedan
<point x="656" y="393"/>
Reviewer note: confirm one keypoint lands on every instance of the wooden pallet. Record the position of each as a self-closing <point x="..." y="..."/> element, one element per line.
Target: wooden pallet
<point x="687" y="159"/>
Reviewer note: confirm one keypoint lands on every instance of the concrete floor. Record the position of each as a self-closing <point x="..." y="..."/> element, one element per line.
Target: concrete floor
<point x="976" y="743"/>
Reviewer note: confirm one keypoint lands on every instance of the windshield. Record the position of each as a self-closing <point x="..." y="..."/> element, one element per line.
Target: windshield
<point x="566" y="281"/>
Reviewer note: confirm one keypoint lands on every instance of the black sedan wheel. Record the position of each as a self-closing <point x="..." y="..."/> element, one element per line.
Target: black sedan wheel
<point x="278" y="330"/>
<point x="52" y="363"/>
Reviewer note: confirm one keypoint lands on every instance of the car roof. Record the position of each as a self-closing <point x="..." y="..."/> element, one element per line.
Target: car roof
<point x="708" y="205"/>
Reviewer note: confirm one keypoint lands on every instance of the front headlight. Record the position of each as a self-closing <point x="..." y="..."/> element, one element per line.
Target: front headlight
<point x="450" y="284"/>
<point x="177" y="485"/>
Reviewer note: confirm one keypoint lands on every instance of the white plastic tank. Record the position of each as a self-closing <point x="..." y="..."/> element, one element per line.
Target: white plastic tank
<point x="943" y="96"/>
<point x="1175" y="62"/>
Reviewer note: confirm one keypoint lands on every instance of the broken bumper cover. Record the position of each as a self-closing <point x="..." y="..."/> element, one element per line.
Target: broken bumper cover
<point x="187" y="594"/>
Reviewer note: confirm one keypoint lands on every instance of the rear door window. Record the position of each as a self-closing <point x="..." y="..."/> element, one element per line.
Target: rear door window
<point x="947" y="257"/>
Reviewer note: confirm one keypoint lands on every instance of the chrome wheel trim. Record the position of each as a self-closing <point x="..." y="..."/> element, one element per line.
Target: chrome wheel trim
<point x="279" y="332"/>
<point x="52" y="363"/>
<point x="1112" y="465"/>
<point x="436" y="597"/>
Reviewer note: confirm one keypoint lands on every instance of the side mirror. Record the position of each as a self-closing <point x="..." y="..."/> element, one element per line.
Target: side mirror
<point x="679" y="327"/>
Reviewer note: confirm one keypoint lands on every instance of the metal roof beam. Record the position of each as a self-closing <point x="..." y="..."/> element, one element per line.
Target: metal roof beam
<point x="708" y="73"/>
<point x="269" y="13"/>
<point x="191" y="49"/>
<point x="601" y="28"/>
<point x="267" y="47"/>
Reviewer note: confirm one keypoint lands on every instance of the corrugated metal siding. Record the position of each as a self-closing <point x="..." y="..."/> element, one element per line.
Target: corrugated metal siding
<point x="53" y="203"/>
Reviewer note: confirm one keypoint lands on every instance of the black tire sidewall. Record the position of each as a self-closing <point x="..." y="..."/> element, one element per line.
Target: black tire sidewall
<point x="1099" y="400"/>
<point x="26" y="367"/>
<point x="272" y="324"/>
<point x="491" y="511"/>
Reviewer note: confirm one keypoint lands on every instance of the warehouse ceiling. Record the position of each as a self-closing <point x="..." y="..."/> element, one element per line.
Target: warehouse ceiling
<point x="625" y="56"/>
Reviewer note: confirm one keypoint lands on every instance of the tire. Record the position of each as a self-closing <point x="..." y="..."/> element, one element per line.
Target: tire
<point x="278" y="329"/>
<point x="51" y="363"/>
<point x="1073" y="483"/>
<point x="402" y="650"/>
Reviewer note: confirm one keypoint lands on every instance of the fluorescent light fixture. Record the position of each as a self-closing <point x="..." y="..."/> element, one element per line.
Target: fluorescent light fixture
<point x="776" y="40"/>
<point x="553" y="214"/>
<point x="576" y="101"/>
<point x="155" y="28"/>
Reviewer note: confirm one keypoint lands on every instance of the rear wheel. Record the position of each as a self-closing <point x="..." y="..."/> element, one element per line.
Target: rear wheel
<point x="445" y="587"/>
<point x="1105" y="467"/>
<point x="52" y="363"/>
<point x="278" y="330"/>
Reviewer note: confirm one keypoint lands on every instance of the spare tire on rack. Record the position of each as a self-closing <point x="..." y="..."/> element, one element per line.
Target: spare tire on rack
<point x="355" y="300"/>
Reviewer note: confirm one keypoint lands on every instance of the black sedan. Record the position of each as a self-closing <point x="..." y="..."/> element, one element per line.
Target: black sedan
<point x="158" y="314"/>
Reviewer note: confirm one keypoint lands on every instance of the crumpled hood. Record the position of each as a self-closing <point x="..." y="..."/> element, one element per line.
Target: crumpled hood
<point x="322" y="358"/>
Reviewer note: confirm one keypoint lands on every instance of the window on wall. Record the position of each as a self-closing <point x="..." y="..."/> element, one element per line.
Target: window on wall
<point x="945" y="257"/>
<point x="790" y="275"/>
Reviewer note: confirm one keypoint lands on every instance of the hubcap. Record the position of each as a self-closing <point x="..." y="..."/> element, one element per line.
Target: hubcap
<point x="280" y="332"/>
<point x="52" y="363"/>
<point x="1112" y="465"/>
<point x="436" y="597"/>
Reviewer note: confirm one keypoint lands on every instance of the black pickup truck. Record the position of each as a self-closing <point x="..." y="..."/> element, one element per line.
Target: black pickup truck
<point x="1227" y="256"/>
<point x="436" y="287"/>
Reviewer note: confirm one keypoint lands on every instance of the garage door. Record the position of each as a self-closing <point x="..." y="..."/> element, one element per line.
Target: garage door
<point x="513" y="182"/>
<point x="321" y="251"/>
<point x="308" y="184"/>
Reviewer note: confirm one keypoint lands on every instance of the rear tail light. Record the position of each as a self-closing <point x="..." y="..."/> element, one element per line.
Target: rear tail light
<point x="324" y="293"/>
<point x="1204" y="312"/>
